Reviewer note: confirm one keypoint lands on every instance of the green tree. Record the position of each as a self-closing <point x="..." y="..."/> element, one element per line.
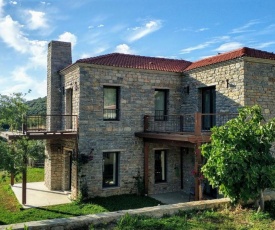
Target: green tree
<point x="15" y="154"/>
<point x="239" y="161"/>
<point x="12" y="109"/>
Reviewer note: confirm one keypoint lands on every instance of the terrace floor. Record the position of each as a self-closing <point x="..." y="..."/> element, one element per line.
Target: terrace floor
<point x="38" y="195"/>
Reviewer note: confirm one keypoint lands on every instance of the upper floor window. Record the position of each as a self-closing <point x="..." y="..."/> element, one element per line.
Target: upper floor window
<point x="161" y="104"/>
<point x="111" y="103"/>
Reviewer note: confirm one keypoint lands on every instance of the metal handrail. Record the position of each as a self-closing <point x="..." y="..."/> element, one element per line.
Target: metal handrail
<point x="190" y="123"/>
<point x="47" y="123"/>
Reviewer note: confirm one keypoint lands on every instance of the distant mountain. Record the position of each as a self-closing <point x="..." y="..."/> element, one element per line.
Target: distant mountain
<point x="37" y="106"/>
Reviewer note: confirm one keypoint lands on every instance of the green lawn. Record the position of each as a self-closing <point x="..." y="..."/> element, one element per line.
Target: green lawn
<point x="10" y="211"/>
<point x="233" y="218"/>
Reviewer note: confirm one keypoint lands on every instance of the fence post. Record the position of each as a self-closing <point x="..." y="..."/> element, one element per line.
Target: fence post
<point x="198" y="124"/>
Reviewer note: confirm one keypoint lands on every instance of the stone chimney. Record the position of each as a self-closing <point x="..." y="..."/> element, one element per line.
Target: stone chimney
<point x="59" y="57"/>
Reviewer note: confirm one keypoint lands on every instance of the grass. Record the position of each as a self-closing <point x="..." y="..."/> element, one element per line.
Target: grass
<point x="11" y="212"/>
<point x="233" y="218"/>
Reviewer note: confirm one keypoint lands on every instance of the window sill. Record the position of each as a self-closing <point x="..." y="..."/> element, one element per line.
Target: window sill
<point x="110" y="188"/>
<point x="164" y="182"/>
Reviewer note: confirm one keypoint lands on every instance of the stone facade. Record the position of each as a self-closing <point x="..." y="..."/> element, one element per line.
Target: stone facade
<point x="239" y="82"/>
<point x="229" y="96"/>
<point x="137" y="89"/>
<point x="259" y="85"/>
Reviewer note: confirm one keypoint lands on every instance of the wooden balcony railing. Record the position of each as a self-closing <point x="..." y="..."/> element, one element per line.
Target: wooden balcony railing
<point x="186" y="123"/>
<point x="50" y="123"/>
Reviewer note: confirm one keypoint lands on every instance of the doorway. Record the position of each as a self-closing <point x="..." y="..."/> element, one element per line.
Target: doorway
<point x="69" y="108"/>
<point x="67" y="170"/>
<point x="208" y="107"/>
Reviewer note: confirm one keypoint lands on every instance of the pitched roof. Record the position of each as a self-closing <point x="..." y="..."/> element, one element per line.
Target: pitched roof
<point x="245" y="51"/>
<point x="137" y="62"/>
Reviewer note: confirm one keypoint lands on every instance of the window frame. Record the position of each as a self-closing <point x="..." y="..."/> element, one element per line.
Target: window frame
<point x="117" y="112"/>
<point x="157" y="181"/>
<point x="105" y="185"/>
<point x="162" y="117"/>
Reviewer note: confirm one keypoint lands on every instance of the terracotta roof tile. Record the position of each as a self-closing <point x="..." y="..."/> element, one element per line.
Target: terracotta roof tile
<point x="137" y="62"/>
<point x="245" y="51"/>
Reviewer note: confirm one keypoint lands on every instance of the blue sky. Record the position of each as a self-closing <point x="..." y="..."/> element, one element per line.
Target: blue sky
<point x="181" y="29"/>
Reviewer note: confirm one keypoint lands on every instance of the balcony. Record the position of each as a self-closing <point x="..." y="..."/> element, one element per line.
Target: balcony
<point x="45" y="127"/>
<point x="50" y="126"/>
<point x="191" y="128"/>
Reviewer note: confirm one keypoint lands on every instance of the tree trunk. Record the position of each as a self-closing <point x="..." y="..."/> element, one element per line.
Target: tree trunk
<point x="260" y="201"/>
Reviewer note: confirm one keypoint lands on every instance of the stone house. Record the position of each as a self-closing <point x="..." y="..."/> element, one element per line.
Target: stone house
<point x="120" y="116"/>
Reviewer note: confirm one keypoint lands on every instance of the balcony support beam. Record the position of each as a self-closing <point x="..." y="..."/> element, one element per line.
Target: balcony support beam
<point x="146" y="167"/>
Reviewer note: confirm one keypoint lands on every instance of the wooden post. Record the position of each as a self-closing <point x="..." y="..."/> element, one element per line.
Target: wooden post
<point x="196" y="182"/>
<point x="24" y="186"/>
<point x="197" y="124"/>
<point x="146" y="123"/>
<point x="24" y="180"/>
<point x="197" y="164"/>
<point x="146" y="167"/>
<point x="12" y="179"/>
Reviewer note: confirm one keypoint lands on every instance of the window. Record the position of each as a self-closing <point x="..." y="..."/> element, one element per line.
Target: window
<point x="111" y="105"/>
<point x="160" y="104"/>
<point x="110" y="169"/>
<point x="160" y="166"/>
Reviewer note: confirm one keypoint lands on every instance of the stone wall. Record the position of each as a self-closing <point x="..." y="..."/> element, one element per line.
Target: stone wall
<point x="137" y="89"/>
<point x="173" y="177"/>
<point x="260" y="85"/>
<point x="188" y="165"/>
<point x="94" y="220"/>
<point x="229" y="96"/>
<point x="53" y="165"/>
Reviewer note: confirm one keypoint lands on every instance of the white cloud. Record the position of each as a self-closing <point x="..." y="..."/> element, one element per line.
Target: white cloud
<point x="45" y="3"/>
<point x="11" y="34"/>
<point x="37" y="20"/>
<point x="2" y="4"/>
<point x="13" y="2"/>
<point x="229" y="46"/>
<point x="123" y="48"/>
<point x="192" y="48"/>
<point x="264" y="45"/>
<point x="68" y="37"/>
<point x="245" y="28"/>
<point x="23" y="82"/>
<point x="202" y="29"/>
<point x="149" y="27"/>
<point x="205" y="44"/>
<point x="101" y="25"/>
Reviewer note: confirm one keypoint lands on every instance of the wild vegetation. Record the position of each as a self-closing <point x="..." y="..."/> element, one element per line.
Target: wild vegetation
<point x="37" y="106"/>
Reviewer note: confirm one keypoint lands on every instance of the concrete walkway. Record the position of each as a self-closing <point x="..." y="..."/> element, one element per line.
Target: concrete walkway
<point x="38" y="195"/>
<point x="171" y="197"/>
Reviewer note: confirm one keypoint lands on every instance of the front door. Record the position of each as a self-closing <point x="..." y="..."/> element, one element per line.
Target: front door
<point x="208" y="107"/>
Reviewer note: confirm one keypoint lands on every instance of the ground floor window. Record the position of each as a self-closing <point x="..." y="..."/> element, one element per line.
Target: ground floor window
<point x="160" y="166"/>
<point x="110" y="169"/>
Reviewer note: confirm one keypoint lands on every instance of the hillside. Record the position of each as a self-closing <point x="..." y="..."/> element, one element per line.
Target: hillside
<point x="37" y="106"/>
